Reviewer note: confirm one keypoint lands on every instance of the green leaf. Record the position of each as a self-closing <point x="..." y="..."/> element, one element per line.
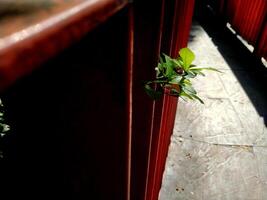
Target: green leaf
<point x="206" y="68"/>
<point x="152" y="93"/>
<point x="160" y="68"/>
<point x="159" y="81"/>
<point x="169" y="65"/>
<point x="191" y="66"/>
<point x="190" y="75"/>
<point x="169" y="71"/>
<point x="184" y="94"/>
<point x="187" y="82"/>
<point x="176" y="79"/>
<point x="196" y="71"/>
<point x="161" y="64"/>
<point x="167" y="58"/>
<point x="196" y="97"/>
<point x="174" y="92"/>
<point x="189" y="89"/>
<point x="178" y="62"/>
<point x="187" y="56"/>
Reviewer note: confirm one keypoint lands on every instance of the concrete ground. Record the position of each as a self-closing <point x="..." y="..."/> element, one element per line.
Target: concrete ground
<point x="218" y="150"/>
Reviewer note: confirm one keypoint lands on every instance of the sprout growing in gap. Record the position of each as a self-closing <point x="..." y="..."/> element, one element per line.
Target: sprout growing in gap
<point x="174" y="76"/>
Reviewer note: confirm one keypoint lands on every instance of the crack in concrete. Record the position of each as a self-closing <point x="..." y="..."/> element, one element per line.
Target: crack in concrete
<point x="248" y="147"/>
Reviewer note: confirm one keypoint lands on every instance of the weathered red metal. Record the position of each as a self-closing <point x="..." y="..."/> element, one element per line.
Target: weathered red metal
<point x="248" y="18"/>
<point x="177" y="17"/>
<point x="261" y="47"/>
<point x="129" y="99"/>
<point x="146" y="53"/>
<point x="137" y="130"/>
<point x="26" y="41"/>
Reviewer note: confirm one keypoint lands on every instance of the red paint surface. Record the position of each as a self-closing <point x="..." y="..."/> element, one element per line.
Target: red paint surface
<point x="176" y="26"/>
<point x="69" y="121"/>
<point x="248" y="19"/>
<point x="20" y="57"/>
<point x="261" y="48"/>
<point x="139" y="127"/>
<point x="147" y="26"/>
<point x="129" y="99"/>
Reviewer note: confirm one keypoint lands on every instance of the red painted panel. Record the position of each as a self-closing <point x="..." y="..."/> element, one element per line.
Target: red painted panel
<point x="221" y="6"/>
<point x="247" y="17"/>
<point x="147" y="34"/>
<point x="75" y="146"/>
<point x="149" y="124"/>
<point x="261" y="48"/>
<point x="180" y="33"/>
<point x="27" y="41"/>
<point x="176" y="27"/>
<point x="129" y="99"/>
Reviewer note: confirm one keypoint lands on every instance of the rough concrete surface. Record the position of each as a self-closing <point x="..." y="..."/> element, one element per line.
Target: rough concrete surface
<point x="218" y="150"/>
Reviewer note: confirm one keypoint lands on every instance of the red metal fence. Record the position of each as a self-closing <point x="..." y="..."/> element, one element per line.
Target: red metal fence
<point x="74" y="73"/>
<point x="261" y="47"/>
<point x="165" y="28"/>
<point x="248" y="19"/>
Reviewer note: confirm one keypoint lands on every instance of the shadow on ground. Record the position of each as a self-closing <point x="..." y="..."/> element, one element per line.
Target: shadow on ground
<point x="254" y="74"/>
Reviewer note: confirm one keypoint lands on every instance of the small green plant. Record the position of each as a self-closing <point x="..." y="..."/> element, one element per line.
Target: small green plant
<point x="174" y="76"/>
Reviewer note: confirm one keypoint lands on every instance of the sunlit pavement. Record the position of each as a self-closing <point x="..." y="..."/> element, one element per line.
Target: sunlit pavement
<point x="218" y="150"/>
